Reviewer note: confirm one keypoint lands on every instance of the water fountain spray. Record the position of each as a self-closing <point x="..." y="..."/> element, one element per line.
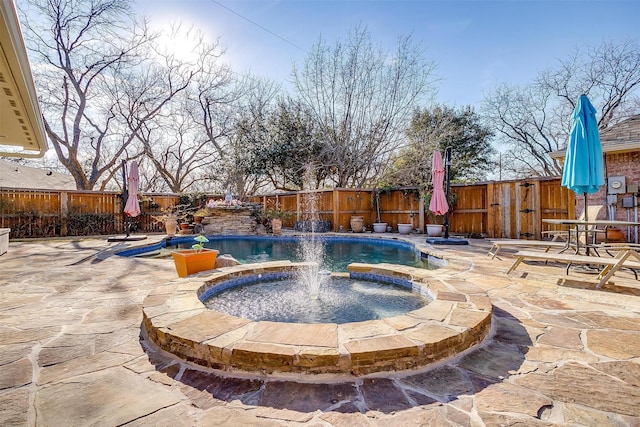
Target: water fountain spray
<point x="311" y="246"/>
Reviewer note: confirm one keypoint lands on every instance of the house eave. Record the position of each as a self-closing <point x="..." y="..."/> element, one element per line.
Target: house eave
<point x="21" y="125"/>
<point x="606" y="149"/>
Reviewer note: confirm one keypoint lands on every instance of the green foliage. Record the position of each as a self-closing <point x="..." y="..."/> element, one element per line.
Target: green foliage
<point x="197" y="199"/>
<point x="276" y="214"/>
<point x="201" y="240"/>
<point x="203" y="212"/>
<point x="436" y="129"/>
<point x="284" y="146"/>
<point x="179" y="212"/>
<point x="451" y="201"/>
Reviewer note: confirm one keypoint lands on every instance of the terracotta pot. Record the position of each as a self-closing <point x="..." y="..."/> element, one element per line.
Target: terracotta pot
<point x="197" y="219"/>
<point x="184" y="226"/>
<point x="276" y="226"/>
<point x="190" y="261"/>
<point x="357" y="223"/>
<point x="615" y="235"/>
<point x="171" y="225"/>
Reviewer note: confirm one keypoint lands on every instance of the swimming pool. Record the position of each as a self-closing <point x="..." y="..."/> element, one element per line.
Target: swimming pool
<point x="338" y="251"/>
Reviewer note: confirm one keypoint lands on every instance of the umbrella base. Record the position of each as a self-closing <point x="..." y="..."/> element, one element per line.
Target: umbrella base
<point x="445" y="241"/>
<point x="130" y="238"/>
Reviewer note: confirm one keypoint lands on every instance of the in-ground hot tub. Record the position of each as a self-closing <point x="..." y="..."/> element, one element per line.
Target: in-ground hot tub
<point x="176" y="320"/>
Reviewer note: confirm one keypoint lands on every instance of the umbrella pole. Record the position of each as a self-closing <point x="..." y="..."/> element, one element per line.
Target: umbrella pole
<point x="586" y="218"/>
<point x="125" y="196"/>
<point x="447" y="168"/>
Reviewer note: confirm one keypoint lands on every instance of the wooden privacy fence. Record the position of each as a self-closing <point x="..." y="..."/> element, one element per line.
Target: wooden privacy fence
<point x="510" y="209"/>
<point x="52" y="213"/>
<point x="506" y="209"/>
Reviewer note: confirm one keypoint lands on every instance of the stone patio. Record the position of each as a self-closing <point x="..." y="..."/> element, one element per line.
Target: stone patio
<point x="71" y="354"/>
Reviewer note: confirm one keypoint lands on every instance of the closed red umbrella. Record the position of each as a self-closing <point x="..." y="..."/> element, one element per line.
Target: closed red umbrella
<point x="438" y="204"/>
<point x="132" y="207"/>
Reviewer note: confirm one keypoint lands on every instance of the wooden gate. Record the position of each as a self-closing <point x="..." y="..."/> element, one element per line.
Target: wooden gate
<point x="499" y="197"/>
<point x="516" y="208"/>
<point x="527" y="210"/>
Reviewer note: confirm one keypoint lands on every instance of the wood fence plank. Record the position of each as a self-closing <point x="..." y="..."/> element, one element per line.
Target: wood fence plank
<point x="491" y="209"/>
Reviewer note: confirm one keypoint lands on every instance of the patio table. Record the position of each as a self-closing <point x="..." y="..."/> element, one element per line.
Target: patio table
<point x="582" y="226"/>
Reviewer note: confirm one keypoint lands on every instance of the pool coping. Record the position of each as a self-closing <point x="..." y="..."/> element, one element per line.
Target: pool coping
<point x="458" y="318"/>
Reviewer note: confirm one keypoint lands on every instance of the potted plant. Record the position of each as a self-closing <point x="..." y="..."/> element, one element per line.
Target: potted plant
<point x="198" y="258"/>
<point x="170" y="217"/>
<point x="356" y="222"/>
<point x="406" y="227"/>
<point x="433" y="228"/>
<point x="276" y="216"/>
<point x="378" y="226"/>
<point x="200" y="214"/>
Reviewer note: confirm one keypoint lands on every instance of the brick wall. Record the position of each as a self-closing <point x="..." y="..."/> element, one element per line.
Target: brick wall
<point x="617" y="164"/>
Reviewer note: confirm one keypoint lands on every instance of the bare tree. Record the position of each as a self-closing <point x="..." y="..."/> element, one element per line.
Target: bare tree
<point x="182" y="136"/>
<point x="609" y="74"/>
<point x="525" y="121"/>
<point x="100" y="80"/>
<point x="176" y="148"/>
<point x="362" y="98"/>
<point x="535" y="120"/>
<point x="80" y="48"/>
<point x="217" y="99"/>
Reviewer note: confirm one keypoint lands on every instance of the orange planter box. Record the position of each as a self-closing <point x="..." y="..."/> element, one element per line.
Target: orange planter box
<point x="190" y="261"/>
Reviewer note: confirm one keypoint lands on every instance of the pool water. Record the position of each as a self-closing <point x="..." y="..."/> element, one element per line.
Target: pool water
<point x="338" y="252"/>
<point x="339" y="300"/>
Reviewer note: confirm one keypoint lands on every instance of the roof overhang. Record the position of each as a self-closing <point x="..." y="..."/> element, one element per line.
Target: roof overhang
<point x="21" y="126"/>
<point x="614" y="148"/>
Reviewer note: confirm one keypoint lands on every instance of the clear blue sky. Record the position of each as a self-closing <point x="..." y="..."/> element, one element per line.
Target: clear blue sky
<point x="476" y="44"/>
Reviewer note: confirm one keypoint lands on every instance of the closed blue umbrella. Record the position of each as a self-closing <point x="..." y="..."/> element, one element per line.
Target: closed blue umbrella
<point x="583" y="166"/>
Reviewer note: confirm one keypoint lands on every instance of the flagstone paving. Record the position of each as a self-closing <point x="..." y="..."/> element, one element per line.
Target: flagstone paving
<point x="562" y="353"/>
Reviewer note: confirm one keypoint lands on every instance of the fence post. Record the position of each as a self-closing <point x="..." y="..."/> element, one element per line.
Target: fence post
<point x="537" y="219"/>
<point x="421" y="214"/>
<point x="336" y="209"/>
<point x="64" y="210"/>
<point x="491" y="218"/>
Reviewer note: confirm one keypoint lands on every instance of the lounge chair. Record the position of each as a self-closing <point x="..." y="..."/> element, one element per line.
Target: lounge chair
<point x="626" y="256"/>
<point x="496" y="245"/>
